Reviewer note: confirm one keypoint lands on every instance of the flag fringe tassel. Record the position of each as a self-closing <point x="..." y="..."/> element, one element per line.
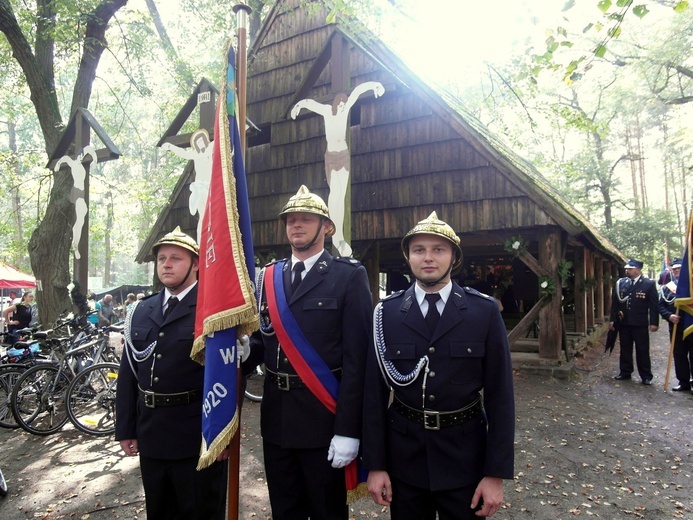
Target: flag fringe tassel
<point x="222" y="441"/>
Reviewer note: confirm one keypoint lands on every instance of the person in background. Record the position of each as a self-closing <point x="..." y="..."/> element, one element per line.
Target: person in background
<point x="18" y="315"/>
<point x="683" y="348"/>
<point x="159" y="393"/>
<point x="439" y="448"/>
<point x="634" y="301"/>
<point x="129" y="302"/>
<point x="107" y="312"/>
<point x="323" y="304"/>
<point x="94" y="317"/>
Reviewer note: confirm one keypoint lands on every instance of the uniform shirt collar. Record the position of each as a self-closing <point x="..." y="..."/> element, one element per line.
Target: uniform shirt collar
<point x="180" y="295"/>
<point x="308" y="263"/>
<point x="444" y="293"/>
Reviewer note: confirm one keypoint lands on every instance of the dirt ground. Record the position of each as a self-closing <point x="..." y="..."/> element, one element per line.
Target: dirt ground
<point x="591" y="447"/>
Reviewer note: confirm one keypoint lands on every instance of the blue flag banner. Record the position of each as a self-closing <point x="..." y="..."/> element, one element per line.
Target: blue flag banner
<point x="226" y="305"/>
<point x="684" y="290"/>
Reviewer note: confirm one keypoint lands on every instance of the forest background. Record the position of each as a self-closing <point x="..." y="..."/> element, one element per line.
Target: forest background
<point x="597" y="94"/>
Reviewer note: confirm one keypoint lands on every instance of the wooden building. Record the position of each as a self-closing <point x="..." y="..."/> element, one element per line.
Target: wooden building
<point x="415" y="150"/>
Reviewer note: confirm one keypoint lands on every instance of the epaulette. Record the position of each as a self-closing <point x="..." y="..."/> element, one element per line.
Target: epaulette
<point x="470" y="290"/>
<point x="150" y="296"/>
<point x="347" y="260"/>
<point x="395" y="294"/>
<point x="275" y="261"/>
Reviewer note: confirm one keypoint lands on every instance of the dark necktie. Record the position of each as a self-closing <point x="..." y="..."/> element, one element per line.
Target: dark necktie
<point x="172" y="302"/>
<point x="297" y="269"/>
<point x="432" y="316"/>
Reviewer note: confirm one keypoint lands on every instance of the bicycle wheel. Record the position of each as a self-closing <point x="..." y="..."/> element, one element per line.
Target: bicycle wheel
<point x="38" y="400"/>
<point x="91" y="399"/>
<point x="254" y="384"/>
<point x="8" y="378"/>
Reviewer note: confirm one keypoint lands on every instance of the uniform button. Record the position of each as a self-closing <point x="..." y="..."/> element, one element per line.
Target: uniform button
<point x="319" y="304"/>
<point x="285" y="360"/>
<point x="161" y="334"/>
<point x="399" y="352"/>
<point x="137" y="333"/>
<point x="431" y="350"/>
<point x="431" y="397"/>
<point x="469" y="351"/>
<point x="431" y="374"/>
<point x="159" y="356"/>
<point x="156" y="379"/>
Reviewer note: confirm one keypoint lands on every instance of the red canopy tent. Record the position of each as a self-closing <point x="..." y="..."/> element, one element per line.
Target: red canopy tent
<point x="11" y="278"/>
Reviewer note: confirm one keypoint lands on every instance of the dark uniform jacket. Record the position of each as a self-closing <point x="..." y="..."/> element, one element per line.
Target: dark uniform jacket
<point x="332" y="306"/>
<point x="467" y="353"/>
<point x="639" y="305"/>
<point x="168" y="432"/>
<point x="665" y="305"/>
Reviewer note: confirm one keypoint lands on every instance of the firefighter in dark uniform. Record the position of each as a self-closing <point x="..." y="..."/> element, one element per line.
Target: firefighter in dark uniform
<point x="683" y="348"/>
<point x="634" y="303"/>
<point x="439" y="448"/>
<point x="306" y="446"/>
<point x="159" y="393"/>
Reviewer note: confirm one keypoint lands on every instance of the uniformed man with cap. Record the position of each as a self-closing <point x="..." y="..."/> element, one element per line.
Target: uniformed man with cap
<point x="634" y="304"/>
<point x="315" y="320"/>
<point x="683" y="348"/>
<point x="159" y="394"/>
<point x="439" y="448"/>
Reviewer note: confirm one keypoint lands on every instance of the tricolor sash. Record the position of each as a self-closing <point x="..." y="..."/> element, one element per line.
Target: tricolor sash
<point x="309" y="366"/>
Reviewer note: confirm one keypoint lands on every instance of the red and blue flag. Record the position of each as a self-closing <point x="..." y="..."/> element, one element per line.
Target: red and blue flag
<point x="226" y="305"/>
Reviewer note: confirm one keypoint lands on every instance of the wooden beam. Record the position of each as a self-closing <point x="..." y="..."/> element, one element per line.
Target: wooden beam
<point x="526" y="322"/>
<point x="599" y="289"/>
<point x="551" y="315"/>
<point x="589" y="266"/>
<point x="579" y="290"/>
<point x="533" y="264"/>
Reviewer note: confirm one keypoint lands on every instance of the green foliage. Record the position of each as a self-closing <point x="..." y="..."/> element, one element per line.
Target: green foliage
<point x="647" y="236"/>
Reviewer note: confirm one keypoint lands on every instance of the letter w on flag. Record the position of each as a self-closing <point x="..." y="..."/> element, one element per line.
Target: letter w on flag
<point x="684" y="290"/>
<point x="226" y="305"/>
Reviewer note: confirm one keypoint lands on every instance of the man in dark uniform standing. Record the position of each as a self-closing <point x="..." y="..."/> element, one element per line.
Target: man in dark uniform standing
<point x="439" y="449"/>
<point x="634" y="302"/>
<point x="683" y="348"/>
<point x="159" y="394"/>
<point x="315" y="319"/>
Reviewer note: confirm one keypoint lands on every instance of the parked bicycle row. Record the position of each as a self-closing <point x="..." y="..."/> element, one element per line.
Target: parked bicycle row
<point x="66" y="373"/>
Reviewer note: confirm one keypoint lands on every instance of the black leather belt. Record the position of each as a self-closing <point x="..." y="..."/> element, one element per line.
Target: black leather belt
<point x="288" y="382"/>
<point x="154" y="399"/>
<point x="434" y="420"/>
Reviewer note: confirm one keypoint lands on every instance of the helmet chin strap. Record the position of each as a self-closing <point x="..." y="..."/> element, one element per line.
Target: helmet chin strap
<point x="312" y="242"/>
<point x="175" y="288"/>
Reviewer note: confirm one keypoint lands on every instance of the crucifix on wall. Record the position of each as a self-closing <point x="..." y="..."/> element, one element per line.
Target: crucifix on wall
<point x="337" y="155"/>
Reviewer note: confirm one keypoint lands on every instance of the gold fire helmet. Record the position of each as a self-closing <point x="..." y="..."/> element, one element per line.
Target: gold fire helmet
<point x="432" y="225"/>
<point x="177" y="238"/>
<point x="306" y="202"/>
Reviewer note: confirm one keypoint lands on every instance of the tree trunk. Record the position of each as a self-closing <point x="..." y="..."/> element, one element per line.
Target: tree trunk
<point x="107" y="240"/>
<point x="49" y="246"/>
<point x="14" y="193"/>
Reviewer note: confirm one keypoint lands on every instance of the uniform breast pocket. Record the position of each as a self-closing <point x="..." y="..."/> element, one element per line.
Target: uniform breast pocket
<point x="323" y="313"/>
<point x="402" y="355"/>
<point x="140" y="333"/>
<point x="466" y="360"/>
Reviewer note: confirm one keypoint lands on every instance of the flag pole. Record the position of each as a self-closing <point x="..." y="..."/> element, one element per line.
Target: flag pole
<point x="233" y="485"/>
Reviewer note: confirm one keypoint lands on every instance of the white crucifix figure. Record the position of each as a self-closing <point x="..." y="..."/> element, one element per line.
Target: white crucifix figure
<point x="337" y="156"/>
<point x="200" y="152"/>
<point x="77" y="195"/>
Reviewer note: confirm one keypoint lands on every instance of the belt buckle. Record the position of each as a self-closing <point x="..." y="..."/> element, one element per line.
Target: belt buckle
<point x="434" y="416"/>
<point x="149" y="399"/>
<point x="283" y="382"/>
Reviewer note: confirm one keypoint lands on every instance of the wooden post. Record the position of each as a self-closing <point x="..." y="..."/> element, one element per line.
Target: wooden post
<point x="579" y="290"/>
<point x="233" y="492"/>
<point x="550" y="316"/>
<point x="599" y="289"/>
<point x="589" y="265"/>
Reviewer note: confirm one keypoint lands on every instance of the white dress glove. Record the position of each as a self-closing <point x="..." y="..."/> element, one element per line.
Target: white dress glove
<point x="342" y="450"/>
<point x="243" y="347"/>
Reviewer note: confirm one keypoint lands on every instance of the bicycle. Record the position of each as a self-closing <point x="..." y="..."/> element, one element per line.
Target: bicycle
<point x="39" y="397"/>
<point x="91" y="399"/>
